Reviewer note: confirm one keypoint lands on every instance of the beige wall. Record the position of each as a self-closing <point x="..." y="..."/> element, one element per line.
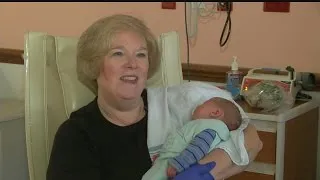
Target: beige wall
<point x="259" y="39"/>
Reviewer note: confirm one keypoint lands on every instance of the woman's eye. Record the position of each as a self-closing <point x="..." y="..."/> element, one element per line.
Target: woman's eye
<point x="142" y="55"/>
<point x="117" y="54"/>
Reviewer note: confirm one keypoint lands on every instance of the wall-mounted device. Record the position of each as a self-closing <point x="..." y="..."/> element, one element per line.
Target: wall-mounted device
<point x="168" y="5"/>
<point x="192" y="12"/>
<point x="224" y="6"/>
<point x="289" y="79"/>
<point x="283" y="7"/>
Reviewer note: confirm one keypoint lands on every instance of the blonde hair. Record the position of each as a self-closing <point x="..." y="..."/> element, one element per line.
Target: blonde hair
<point x="95" y="43"/>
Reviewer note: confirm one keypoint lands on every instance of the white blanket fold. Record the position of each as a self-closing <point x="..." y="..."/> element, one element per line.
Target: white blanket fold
<point x="170" y="108"/>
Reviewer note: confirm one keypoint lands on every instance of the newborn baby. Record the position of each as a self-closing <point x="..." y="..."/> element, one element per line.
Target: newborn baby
<point x="211" y="123"/>
<point x="215" y="108"/>
<point x="220" y="109"/>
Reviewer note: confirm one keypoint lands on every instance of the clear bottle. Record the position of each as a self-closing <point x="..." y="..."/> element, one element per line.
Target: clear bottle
<point x="234" y="78"/>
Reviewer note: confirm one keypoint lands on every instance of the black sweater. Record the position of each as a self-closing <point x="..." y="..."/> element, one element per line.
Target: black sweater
<point x="88" y="147"/>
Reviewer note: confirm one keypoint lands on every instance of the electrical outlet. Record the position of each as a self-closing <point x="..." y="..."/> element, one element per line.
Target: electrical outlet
<point x="223" y="6"/>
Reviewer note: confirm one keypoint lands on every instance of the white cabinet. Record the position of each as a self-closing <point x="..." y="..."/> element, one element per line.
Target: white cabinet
<point x="13" y="156"/>
<point x="289" y="144"/>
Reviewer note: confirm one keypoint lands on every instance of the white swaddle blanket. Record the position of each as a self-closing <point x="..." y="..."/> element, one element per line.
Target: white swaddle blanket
<point x="171" y="107"/>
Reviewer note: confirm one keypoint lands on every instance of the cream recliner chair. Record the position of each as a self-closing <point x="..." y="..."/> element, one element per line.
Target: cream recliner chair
<point x="53" y="91"/>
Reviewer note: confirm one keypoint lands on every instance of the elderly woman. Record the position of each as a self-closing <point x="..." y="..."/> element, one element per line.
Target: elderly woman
<point x="107" y="139"/>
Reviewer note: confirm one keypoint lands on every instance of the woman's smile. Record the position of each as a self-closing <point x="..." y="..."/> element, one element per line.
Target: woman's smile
<point x="132" y="79"/>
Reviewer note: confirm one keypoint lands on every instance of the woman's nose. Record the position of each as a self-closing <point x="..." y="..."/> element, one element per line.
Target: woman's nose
<point x="132" y="62"/>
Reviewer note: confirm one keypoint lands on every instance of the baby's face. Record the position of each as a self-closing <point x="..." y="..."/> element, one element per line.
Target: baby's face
<point x="211" y="109"/>
<point x="204" y="111"/>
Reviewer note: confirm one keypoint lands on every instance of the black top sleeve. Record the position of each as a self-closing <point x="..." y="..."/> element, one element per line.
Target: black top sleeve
<point x="73" y="155"/>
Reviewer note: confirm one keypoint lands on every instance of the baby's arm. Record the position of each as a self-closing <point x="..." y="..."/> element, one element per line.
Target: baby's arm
<point x="196" y="150"/>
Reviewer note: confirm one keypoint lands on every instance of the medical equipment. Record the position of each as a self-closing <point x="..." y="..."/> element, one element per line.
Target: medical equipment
<point x="228" y="6"/>
<point x="285" y="79"/>
<point x="193" y="11"/>
<point x="269" y="96"/>
<point x="292" y="82"/>
<point x="191" y="18"/>
<point x="197" y="10"/>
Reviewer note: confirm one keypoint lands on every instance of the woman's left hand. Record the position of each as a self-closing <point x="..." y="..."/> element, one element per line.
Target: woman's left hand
<point x="197" y="172"/>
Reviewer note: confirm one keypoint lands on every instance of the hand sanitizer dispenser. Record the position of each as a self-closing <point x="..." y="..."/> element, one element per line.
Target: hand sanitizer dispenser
<point x="234" y="76"/>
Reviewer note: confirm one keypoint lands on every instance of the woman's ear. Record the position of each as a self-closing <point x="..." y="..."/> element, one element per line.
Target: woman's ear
<point x="216" y="113"/>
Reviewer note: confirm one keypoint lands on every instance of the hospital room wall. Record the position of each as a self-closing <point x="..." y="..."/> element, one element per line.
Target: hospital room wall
<point x="259" y="39"/>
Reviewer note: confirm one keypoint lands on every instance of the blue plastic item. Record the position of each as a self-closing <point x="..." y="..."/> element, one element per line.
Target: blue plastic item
<point x="197" y="172"/>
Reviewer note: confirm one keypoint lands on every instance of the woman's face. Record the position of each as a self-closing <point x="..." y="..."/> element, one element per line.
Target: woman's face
<point x="125" y="67"/>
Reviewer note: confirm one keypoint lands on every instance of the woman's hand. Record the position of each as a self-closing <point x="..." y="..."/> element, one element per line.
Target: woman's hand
<point x="253" y="145"/>
<point x="197" y="172"/>
<point x="225" y="168"/>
